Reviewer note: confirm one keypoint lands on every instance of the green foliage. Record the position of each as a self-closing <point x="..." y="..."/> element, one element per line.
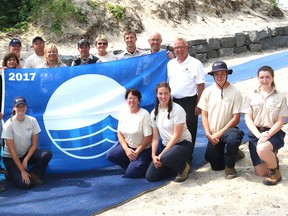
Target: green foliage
<point x="93" y="4"/>
<point x="274" y="2"/>
<point x="17" y="14"/>
<point x="117" y="10"/>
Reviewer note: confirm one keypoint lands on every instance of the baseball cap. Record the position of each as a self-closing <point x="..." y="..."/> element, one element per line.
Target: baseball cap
<point x="15" y="41"/>
<point x="37" y="38"/>
<point x="19" y="100"/>
<point x="219" y="66"/>
<point x="83" y="41"/>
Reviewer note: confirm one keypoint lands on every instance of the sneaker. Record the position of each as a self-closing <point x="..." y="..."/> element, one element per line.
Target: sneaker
<point x="240" y="155"/>
<point x="2" y="187"/>
<point x="230" y="173"/>
<point x="35" y="179"/>
<point x="274" y="176"/>
<point x="181" y="177"/>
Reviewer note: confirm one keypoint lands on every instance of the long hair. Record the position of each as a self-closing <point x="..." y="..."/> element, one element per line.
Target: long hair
<point x="170" y="104"/>
<point x="270" y="70"/>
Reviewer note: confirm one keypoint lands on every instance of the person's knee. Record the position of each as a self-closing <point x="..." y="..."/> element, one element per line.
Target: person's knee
<point x="20" y="184"/>
<point x="47" y="155"/>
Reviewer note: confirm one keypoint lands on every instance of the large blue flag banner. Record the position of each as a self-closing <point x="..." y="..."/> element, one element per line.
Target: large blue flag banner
<point x="78" y="107"/>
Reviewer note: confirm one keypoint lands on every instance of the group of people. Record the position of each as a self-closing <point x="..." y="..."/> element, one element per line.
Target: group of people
<point x="161" y="144"/>
<point x="47" y="56"/>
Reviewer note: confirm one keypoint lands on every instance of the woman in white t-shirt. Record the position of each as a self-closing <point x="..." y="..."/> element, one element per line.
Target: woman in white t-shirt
<point x="168" y="121"/>
<point x="133" y="153"/>
<point x="101" y="44"/>
<point x="20" y="133"/>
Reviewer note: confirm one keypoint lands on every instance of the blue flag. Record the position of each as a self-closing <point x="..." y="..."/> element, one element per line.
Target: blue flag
<point x="78" y="107"/>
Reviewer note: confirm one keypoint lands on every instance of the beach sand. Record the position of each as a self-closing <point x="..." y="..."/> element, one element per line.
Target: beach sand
<point x="207" y="192"/>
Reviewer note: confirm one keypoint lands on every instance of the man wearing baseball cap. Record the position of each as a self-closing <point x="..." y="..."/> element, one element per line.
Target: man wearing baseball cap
<point x="221" y="106"/>
<point x="36" y="59"/>
<point x="85" y="56"/>
<point x="15" y="46"/>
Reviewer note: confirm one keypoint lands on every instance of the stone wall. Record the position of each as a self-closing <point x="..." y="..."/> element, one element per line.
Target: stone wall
<point x="252" y="41"/>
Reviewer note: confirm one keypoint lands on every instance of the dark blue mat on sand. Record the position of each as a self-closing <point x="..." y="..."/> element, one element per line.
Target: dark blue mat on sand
<point x="92" y="192"/>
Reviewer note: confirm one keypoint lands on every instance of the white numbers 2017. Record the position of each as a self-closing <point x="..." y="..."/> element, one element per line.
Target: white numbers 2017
<point x="22" y="77"/>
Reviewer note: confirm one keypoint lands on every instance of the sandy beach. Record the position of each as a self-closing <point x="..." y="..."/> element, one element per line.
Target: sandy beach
<point x="207" y="192"/>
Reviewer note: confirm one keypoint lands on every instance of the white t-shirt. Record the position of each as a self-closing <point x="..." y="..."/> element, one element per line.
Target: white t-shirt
<point x="33" y="61"/>
<point x="220" y="111"/>
<point x="21" y="133"/>
<point x="134" y="126"/>
<point x="166" y="126"/>
<point x="106" y="58"/>
<point x="184" y="77"/>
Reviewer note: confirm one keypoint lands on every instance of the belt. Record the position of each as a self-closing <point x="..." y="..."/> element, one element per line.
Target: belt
<point x="262" y="129"/>
<point x="185" y="97"/>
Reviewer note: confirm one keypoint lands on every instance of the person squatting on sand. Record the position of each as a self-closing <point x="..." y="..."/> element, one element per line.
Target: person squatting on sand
<point x="21" y="147"/>
<point x="168" y="121"/>
<point x="134" y="134"/>
<point x="221" y="107"/>
<point x="265" y="112"/>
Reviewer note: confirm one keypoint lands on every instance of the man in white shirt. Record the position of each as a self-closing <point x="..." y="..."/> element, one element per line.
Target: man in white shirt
<point x="36" y="59"/>
<point x="186" y="78"/>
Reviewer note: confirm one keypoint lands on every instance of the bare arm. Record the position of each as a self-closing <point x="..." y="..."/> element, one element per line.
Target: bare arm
<point x="201" y="87"/>
<point x="24" y="174"/>
<point x="178" y="128"/>
<point x="31" y="151"/>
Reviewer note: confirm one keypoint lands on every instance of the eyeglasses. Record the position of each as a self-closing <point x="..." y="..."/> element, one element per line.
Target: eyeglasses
<point x="101" y="44"/>
<point x="179" y="47"/>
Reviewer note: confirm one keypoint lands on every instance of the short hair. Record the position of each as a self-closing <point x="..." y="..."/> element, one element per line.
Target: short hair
<point x="101" y="37"/>
<point x="181" y="39"/>
<point x="127" y="32"/>
<point x="134" y="92"/>
<point x="7" y="57"/>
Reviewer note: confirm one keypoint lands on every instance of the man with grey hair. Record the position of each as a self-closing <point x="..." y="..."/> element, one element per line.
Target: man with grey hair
<point x="187" y="78"/>
<point x="155" y="40"/>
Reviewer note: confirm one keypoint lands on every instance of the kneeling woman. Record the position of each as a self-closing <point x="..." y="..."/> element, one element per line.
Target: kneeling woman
<point x="265" y="112"/>
<point x="168" y="121"/>
<point x="134" y="135"/>
<point x="21" y="148"/>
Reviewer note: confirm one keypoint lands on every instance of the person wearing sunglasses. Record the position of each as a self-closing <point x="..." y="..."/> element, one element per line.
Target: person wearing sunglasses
<point x="101" y="44"/>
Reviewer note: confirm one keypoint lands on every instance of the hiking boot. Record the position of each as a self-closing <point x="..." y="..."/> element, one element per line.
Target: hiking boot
<point x="2" y="187"/>
<point x="35" y="179"/>
<point x="230" y="173"/>
<point x="274" y="176"/>
<point x="240" y="155"/>
<point x="181" y="177"/>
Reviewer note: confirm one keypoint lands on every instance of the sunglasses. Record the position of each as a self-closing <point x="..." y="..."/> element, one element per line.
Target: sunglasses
<point x="101" y="44"/>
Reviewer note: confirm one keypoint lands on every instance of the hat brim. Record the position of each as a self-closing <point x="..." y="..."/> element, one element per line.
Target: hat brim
<point x="220" y="69"/>
<point x="18" y="103"/>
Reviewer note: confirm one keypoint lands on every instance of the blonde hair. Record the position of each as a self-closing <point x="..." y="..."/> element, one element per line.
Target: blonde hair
<point x="101" y="37"/>
<point x="49" y="47"/>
